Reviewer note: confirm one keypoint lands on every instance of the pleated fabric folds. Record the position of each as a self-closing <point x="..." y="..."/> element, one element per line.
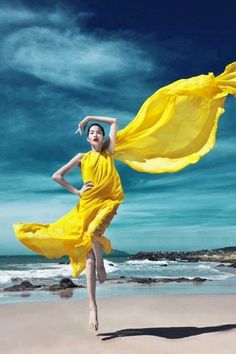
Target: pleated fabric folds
<point x="177" y="125"/>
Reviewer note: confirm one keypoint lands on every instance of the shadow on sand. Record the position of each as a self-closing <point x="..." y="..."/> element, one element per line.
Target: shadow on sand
<point x="166" y="332"/>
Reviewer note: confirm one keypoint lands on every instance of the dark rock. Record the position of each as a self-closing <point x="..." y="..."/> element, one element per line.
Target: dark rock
<point x="53" y="287"/>
<point x="142" y="280"/>
<point x="193" y="260"/>
<point x="24" y="285"/>
<point x="165" y="280"/>
<point x="183" y="279"/>
<point x="66" y="283"/>
<point x="233" y="265"/>
<point x="198" y="279"/>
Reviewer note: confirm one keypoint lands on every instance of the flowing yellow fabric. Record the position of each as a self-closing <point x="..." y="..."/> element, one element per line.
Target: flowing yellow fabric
<point x="74" y="233"/>
<point x="177" y="125"/>
<point x="174" y="127"/>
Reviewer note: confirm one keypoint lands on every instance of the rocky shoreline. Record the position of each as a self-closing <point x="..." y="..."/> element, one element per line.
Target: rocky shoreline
<point x="223" y="255"/>
<point x="67" y="283"/>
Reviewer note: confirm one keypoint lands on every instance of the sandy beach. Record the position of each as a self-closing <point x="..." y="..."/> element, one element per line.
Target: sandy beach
<point x="163" y="324"/>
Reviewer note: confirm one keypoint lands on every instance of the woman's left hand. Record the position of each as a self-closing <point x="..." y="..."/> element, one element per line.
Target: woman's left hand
<point x="82" y="125"/>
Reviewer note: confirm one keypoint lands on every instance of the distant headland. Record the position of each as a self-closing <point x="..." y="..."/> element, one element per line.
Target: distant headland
<point x="223" y="255"/>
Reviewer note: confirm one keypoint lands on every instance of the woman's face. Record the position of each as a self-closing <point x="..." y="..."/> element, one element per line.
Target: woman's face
<point x="95" y="136"/>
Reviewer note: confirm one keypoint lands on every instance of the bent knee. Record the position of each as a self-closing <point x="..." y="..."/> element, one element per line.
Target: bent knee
<point x="90" y="259"/>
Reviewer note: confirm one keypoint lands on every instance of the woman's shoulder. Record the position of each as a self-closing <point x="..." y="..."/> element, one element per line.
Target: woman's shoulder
<point x="78" y="158"/>
<point x="84" y="154"/>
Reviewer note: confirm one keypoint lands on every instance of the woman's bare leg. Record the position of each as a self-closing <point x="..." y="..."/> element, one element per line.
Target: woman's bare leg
<point x="101" y="271"/>
<point x="91" y="286"/>
<point x="97" y="248"/>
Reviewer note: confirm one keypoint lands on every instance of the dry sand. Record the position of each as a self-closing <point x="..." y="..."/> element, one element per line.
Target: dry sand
<point x="193" y="324"/>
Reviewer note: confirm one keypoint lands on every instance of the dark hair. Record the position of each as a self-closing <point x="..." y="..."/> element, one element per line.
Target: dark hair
<point x="91" y="125"/>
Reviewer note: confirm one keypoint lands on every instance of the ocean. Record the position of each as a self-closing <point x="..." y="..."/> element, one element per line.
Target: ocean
<point x="40" y="270"/>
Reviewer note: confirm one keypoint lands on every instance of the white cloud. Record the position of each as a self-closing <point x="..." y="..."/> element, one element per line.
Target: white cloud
<point x="70" y="57"/>
<point x="21" y="15"/>
<point x="10" y="15"/>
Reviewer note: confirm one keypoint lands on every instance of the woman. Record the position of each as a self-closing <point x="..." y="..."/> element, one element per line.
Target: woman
<point x="79" y="233"/>
<point x="174" y="128"/>
<point x="102" y="189"/>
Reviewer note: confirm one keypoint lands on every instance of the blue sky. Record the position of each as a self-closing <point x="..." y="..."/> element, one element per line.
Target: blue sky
<point x="63" y="60"/>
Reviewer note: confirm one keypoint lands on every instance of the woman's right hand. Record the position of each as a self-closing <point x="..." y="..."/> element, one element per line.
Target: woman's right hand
<point x="82" y="125"/>
<point x="87" y="185"/>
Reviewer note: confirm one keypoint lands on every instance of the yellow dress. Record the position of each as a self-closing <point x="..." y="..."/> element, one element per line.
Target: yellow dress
<point x="74" y="233"/>
<point x="174" y="128"/>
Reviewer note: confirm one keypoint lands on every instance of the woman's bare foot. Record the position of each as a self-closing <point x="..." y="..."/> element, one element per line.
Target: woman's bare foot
<point x="93" y="318"/>
<point x="101" y="272"/>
